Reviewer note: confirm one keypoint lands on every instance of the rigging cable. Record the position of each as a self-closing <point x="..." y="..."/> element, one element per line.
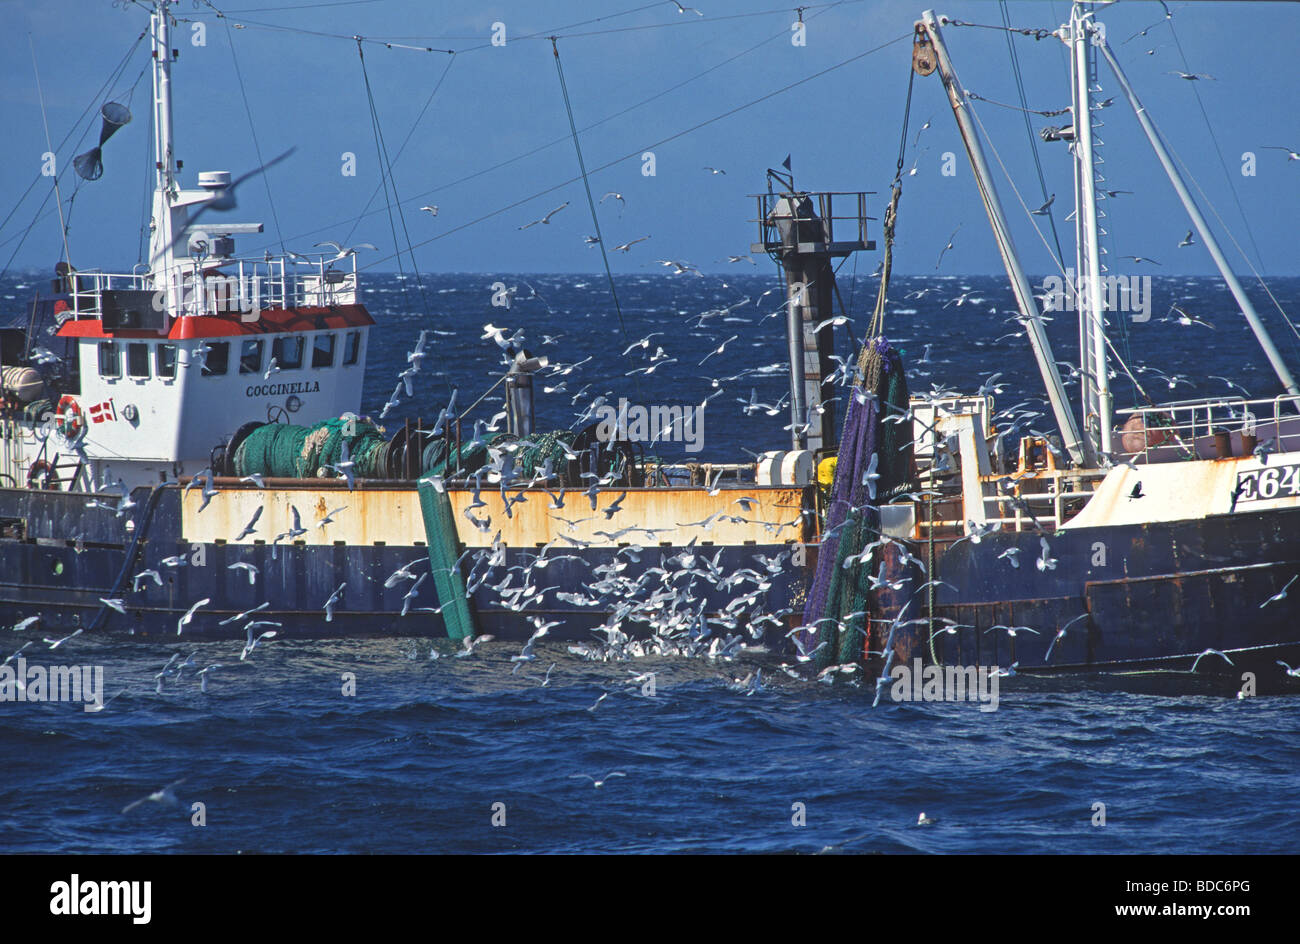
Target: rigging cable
<point x="386" y="180"/>
<point x="661" y="141"/>
<point x="58" y="199"/>
<point x="1029" y="131"/>
<point x="583" y="130"/>
<point x="108" y="84"/>
<point x="356" y="221"/>
<point x="591" y="203"/>
<point x="1059" y="264"/>
<point x="891" y="217"/>
<point x="252" y="127"/>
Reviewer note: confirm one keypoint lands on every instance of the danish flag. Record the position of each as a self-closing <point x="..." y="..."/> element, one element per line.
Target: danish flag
<point x="103" y="412"/>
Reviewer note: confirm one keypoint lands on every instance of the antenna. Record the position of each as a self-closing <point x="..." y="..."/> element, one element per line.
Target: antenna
<point x="58" y="197"/>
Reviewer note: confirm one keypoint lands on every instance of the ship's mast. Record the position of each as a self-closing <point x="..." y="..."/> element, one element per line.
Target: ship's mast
<point x="1095" y="385"/>
<point x="1202" y="228"/>
<point x="1079" y="449"/>
<point x="167" y="218"/>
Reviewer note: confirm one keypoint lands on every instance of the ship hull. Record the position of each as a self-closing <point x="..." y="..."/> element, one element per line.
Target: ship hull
<point x="60" y="559"/>
<point x="1145" y="598"/>
<point x="1137" y="599"/>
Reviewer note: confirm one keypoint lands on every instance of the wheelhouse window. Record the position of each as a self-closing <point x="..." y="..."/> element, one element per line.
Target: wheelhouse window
<point x="165" y="361"/>
<point x="137" y="359"/>
<point x="351" y="348"/>
<point x="217" y="361"/>
<point x="322" y="353"/>
<point x="287" y="352"/>
<point x="110" y="363"/>
<point x="250" y="357"/>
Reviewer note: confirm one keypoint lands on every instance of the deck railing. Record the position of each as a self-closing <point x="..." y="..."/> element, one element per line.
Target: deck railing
<point x="1186" y="429"/>
<point x="225" y="286"/>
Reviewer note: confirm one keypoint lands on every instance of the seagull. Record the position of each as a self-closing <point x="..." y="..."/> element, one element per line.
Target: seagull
<point x="114" y="603"/>
<point x="834" y="322"/>
<point x="719" y="349"/>
<point x="345" y="251"/>
<point x="157" y="579"/>
<point x="1043" y="210"/>
<point x="598" y="701"/>
<point x="203" y="677"/>
<point x="251" y="527"/>
<point x="870" y="475"/>
<point x="1281" y="594"/>
<point x="948" y="246"/>
<point x="924" y="820"/>
<point x="329" y="518"/>
<point x="165" y="795"/>
<point x="682" y="9"/>
<point x="1188" y="240"/>
<point x="337" y="596"/>
<point x="547" y="218"/>
<point x="1045" y="562"/>
<point x="1012" y="630"/>
<point x="715" y="170"/>
<point x="23" y="624"/>
<point x="615" y="194"/>
<point x="1290" y="671"/>
<point x="252" y="642"/>
<point x="271" y="368"/>
<point x="431" y="210"/>
<point x="255" y="479"/>
<point x="189" y="615"/>
<point x="1141" y="259"/>
<point x="614" y="507"/>
<point x="297" y="528"/>
<point x="1010" y="554"/>
<point x="1061" y="635"/>
<point x="102" y="705"/>
<point x="246" y="614"/>
<point x="1210" y="652"/>
<point x="601" y="781"/>
<point x="1290" y="154"/>
<point x="1190" y="76"/>
<point x="55" y="643"/>
<point x="625" y="247"/>
<point x="224" y="198"/>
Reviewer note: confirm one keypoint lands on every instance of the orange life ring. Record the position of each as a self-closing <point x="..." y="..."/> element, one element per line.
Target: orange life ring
<point x="42" y="475"/>
<point x="70" y="422"/>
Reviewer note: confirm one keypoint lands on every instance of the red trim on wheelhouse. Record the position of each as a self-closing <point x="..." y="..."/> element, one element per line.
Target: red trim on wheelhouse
<point x="270" y="321"/>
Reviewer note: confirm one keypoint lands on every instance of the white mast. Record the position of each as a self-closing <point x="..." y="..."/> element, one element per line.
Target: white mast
<point x="161" y="242"/>
<point x="1079" y="448"/>
<point x="1194" y="213"/>
<point x="1097" y="404"/>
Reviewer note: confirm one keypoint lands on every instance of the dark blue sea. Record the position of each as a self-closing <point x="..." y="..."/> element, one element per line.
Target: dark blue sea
<point x="428" y="752"/>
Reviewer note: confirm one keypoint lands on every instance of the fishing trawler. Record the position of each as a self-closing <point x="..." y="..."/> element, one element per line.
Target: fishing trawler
<point x="1155" y="544"/>
<point x="181" y="441"/>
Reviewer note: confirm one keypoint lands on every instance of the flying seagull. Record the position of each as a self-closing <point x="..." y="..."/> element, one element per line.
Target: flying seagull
<point x="1290" y="154"/>
<point x="947" y="247"/>
<point x="547" y="218"/>
<point x="224" y="199"/>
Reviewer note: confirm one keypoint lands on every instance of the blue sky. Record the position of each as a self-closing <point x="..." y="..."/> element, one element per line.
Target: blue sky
<point x="307" y="91"/>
